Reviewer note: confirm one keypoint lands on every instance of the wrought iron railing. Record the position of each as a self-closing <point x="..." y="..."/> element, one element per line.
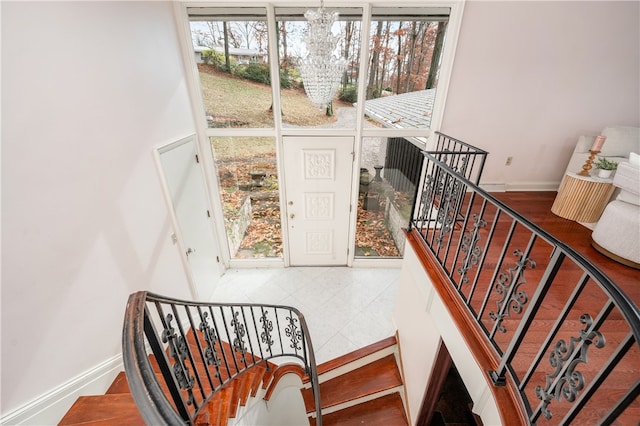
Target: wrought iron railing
<point x="200" y="347"/>
<point x="559" y="330"/>
<point x="466" y="160"/>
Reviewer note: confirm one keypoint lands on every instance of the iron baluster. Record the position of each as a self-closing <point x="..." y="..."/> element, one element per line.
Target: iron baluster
<point x="498" y="375"/>
<point x="257" y="333"/>
<point x="248" y="337"/>
<point x="464" y="225"/>
<point x="623" y="403"/>
<point x="267" y="329"/>
<point x="469" y="245"/>
<point x="229" y="339"/>
<point x="554" y="330"/>
<point x="209" y="334"/>
<point x="292" y="331"/>
<point x="279" y="331"/>
<point x="496" y="271"/>
<point x="566" y="381"/>
<point x="161" y="357"/>
<point x="514" y="298"/>
<point x="176" y="346"/>
<point x="614" y="360"/>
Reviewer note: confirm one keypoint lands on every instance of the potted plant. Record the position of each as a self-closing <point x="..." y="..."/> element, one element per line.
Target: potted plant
<point x="605" y="167"/>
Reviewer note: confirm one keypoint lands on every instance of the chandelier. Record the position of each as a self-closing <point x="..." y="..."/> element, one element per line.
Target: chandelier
<point x="321" y="70"/>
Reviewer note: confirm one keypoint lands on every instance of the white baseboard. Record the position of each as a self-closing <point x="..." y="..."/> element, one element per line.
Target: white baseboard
<point x="493" y="187"/>
<point x="533" y="186"/>
<point x="49" y="408"/>
<point x="520" y="186"/>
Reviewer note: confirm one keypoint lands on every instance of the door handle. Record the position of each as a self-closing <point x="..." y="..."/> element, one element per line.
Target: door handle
<point x="190" y="251"/>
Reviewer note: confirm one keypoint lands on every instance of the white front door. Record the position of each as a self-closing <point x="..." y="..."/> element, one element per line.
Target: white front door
<point x="188" y="202"/>
<point x="318" y="192"/>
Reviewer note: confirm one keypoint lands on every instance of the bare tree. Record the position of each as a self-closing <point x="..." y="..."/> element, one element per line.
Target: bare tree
<point x="399" y="57"/>
<point x="348" y="36"/>
<point x="436" y="55"/>
<point x="281" y="30"/>
<point x="385" y="56"/>
<point x="227" y="59"/>
<point x="261" y="35"/>
<point x="411" y="55"/>
<point x="373" y="68"/>
<point x="208" y="37"/>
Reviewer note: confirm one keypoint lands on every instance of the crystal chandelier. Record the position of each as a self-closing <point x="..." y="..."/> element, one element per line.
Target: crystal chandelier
<point x="321" y="70"/>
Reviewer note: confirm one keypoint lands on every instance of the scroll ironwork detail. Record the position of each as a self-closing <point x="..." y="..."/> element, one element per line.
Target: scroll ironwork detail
<point x="448" y="208"/>
<point x="239" y="332"/>
<point x="293" y="332"/>
<point x="267" y="329"/>
<point x="508" y="286"/>
<point x="210" y="353"/>
<point x="178" y="351"/>
<point x="471" y="248"/>
<point x="566" y="381"/>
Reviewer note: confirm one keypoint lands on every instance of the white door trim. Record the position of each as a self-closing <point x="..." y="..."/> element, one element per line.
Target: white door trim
<point x="178" y="237"/>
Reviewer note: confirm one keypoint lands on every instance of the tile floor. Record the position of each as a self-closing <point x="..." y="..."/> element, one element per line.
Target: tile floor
<point x="345" y="308"/>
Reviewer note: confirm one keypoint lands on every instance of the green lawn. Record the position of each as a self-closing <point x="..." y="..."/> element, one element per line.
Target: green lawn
<point x="235" y="102"/>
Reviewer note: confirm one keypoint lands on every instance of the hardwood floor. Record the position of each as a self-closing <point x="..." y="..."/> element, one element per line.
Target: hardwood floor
<point x="536" y="206"/>
<point x="497" y="270"/>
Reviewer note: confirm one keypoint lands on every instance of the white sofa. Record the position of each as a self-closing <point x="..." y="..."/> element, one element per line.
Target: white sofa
<point x="617" y="233"/>
<point x="620" y="142"/>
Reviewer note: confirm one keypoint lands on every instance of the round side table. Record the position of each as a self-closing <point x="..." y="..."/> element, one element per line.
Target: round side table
<point x="582" y="198"/>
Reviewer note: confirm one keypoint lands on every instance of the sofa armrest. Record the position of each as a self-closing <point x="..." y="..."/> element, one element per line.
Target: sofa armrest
<point x="627" y="178"/>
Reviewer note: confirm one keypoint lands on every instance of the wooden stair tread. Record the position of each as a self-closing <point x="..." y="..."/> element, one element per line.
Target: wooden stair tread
<point x="111" y="409"/>
<point x="119" y="384"/>
<point x="377" y="376"/>
<point x="356" y="355"/>
<point x="384" y="411"/>
<point x="217" y="411"/>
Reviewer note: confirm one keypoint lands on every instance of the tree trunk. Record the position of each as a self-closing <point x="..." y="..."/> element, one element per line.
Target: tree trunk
<point x="412" y="52"/>
<point x="399" y="60"/>
<point x="348" y="35"/>
<point x="227" y="59"/>
<point x="283" y="37"/>
<point x="435" y="57"/>
<point x="385" y="56"/>
<point x="375" y="57"/>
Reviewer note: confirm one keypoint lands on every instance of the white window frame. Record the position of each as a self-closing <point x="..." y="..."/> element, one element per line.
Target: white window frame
<point x="204" y="133"/>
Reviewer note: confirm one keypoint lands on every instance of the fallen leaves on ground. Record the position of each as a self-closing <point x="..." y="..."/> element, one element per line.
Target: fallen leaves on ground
<point x="264" y="234"/>
<point x="372" y="233"/>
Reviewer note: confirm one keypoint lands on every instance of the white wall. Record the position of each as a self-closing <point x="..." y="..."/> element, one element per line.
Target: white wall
<point x="422" y="320"/>
<point x="529" y="77"/>
<point x="88" y="89"/>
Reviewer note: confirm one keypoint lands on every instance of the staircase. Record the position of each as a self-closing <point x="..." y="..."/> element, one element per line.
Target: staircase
<point x="364" y="386"/>
<point x="361" y="387"/>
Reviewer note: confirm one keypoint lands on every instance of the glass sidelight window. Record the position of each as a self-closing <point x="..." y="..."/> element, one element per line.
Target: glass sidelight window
<point x="389" y="172"/>
<point x="248" y="186"/>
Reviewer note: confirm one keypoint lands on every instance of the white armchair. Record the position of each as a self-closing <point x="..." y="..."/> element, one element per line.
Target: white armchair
<point x="617" y="233"/>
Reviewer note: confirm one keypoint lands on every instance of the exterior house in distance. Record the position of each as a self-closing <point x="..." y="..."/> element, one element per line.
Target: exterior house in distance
<point x="84" y="220"/>
<point x="242" y="56"/>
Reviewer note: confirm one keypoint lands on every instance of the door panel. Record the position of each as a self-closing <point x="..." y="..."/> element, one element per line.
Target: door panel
<point x="318" y="190"/>
<point x="187" y="198"/>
